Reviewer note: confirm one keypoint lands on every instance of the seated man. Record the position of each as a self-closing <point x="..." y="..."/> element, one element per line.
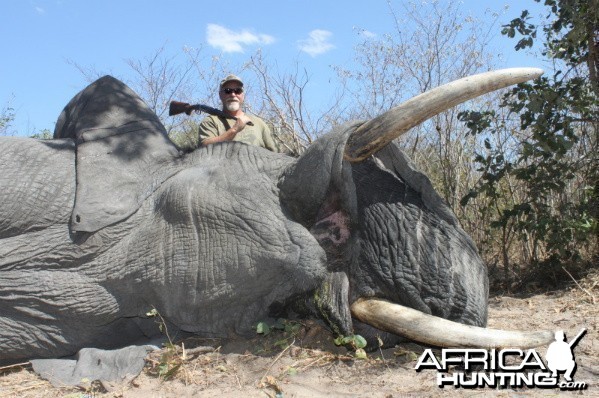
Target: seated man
<point x="215" y="129"/>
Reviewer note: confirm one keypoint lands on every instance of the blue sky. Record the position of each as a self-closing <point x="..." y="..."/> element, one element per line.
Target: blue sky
<point x="42" y="39"/>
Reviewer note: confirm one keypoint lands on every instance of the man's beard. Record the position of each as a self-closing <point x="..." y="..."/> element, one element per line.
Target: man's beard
<point x="232" y="106"/>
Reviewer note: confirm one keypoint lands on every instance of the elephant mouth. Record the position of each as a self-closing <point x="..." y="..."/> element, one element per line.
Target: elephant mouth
<point x="440" y="332"/>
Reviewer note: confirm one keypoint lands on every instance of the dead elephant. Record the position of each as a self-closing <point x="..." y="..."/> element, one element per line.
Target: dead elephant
<point x="110" y="220"/>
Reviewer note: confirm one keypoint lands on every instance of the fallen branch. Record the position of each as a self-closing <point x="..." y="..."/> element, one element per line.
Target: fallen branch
<point x="199" y="350"/>
<point x="276" y="359"/>
<point x="22" y="364"/>
<point x="581" y="288"/>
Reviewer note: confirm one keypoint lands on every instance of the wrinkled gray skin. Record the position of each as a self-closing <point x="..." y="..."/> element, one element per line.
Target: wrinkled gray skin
<point x="110" y="220"/>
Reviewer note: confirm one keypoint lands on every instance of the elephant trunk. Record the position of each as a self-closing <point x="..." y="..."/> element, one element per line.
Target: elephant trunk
<point x="429" y="329"/>
<point x="380" y="131"/>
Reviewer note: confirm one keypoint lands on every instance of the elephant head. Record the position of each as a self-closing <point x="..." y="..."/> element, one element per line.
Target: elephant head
<point x="400" y="261"/>
<point x="110" y="219"/>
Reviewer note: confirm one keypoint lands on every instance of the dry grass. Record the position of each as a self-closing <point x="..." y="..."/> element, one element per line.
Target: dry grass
<point x="308" y="364"/>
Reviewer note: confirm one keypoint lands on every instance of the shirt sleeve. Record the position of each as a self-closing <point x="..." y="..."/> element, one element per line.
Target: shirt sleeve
<point x="207" y="129"/>
<point x="269" y="142"/>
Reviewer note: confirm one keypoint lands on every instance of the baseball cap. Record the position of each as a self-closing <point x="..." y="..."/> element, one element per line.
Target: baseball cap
<point x="231" y="78"/>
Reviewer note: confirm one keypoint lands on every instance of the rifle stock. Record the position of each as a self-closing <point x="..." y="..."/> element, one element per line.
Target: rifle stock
<point x="177" y="107"/>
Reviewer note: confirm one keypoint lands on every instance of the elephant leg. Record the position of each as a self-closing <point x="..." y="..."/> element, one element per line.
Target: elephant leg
<point x="54" y="313"/>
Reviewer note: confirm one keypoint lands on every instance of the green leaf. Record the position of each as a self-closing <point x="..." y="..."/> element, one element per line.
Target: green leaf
<point x="359" y="341"/>
<point x="361" y="354"/>
<point x="282" y="343"/>
<point x="263" y="328"/>
<point x="171" y="372"/>
<point x="162" y="369"/>
<point x="355" y="341"/>
<point x="292" y="327"/>
<point x="280" y="324"/>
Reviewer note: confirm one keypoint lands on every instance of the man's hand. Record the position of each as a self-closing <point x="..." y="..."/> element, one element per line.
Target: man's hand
<point x="240" y="123"/>
<point x="230" y="134"/>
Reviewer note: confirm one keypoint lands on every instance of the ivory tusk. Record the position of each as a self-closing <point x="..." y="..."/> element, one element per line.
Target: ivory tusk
<point x="436" y="331"/>
<point x="380" y="131"/>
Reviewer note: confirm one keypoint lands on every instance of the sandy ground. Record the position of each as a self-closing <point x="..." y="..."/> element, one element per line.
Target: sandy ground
<point x="305" y="363"/>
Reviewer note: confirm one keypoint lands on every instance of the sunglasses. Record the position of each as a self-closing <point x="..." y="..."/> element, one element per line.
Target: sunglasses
<point x="237" y="90"/>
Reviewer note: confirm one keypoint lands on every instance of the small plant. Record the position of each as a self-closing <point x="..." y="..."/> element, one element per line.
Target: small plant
<point x="263" y="328"/>
<point x="170" y="360"/>
<point x="288" y="329"/>
<point x="284" y="325"/>
<point x="355" y="342"/>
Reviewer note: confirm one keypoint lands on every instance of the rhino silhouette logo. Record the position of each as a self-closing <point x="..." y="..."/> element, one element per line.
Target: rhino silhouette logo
<point x="560" y="355"/>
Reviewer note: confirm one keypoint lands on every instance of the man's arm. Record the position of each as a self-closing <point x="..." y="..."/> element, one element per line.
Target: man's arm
<point x="269" y="142"/>
<point x="208" y="131"/>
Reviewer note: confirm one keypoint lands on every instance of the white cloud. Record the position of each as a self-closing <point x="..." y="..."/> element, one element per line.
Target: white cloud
<point x="230" y="41"/>
<point x="317" y="42"/>
<point x="368" y="34"/>
<point x="40" y="10"/>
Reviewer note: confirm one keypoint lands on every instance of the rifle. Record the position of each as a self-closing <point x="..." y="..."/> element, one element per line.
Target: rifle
<point x="176" y="108"/>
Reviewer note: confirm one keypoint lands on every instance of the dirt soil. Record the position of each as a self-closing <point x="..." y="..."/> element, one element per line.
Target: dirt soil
<point x="304" y="362"/>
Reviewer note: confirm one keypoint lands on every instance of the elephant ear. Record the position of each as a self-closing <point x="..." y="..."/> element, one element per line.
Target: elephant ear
<point x="123" y="152"/>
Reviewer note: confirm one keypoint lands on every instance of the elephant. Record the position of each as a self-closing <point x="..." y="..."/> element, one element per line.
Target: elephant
<point x="110" y="219"/>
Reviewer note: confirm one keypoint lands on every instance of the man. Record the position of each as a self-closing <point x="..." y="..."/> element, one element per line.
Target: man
<point x="215" y="129"/>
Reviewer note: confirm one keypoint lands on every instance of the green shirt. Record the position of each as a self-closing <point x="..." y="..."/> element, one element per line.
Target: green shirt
<point x="259" y="134"/>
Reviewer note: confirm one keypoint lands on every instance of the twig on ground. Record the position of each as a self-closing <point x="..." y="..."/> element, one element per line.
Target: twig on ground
<point x="313" y="362"/>
<point x="20" y="390"/>
<point x="198" y="350"/>
<point x="16" y="365"/>
<point x="238" y="381"/>
<point x="277" y="358"/>
<point x="581" y="288"/>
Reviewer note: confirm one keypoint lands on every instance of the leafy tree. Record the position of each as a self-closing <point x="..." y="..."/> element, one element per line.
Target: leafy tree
<point x="432" y="43"/>
<point x="555" y="160"/>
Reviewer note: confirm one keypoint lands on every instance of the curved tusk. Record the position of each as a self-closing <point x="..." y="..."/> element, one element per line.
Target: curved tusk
<point x="430" y="329"/>
<point x="380" y="131"/>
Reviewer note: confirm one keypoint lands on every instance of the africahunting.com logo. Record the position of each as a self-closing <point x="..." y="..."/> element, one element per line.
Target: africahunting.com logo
<point x="506" y="368"/>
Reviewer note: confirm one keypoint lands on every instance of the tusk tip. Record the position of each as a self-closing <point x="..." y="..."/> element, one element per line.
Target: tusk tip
<point x="526" y="73"/>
